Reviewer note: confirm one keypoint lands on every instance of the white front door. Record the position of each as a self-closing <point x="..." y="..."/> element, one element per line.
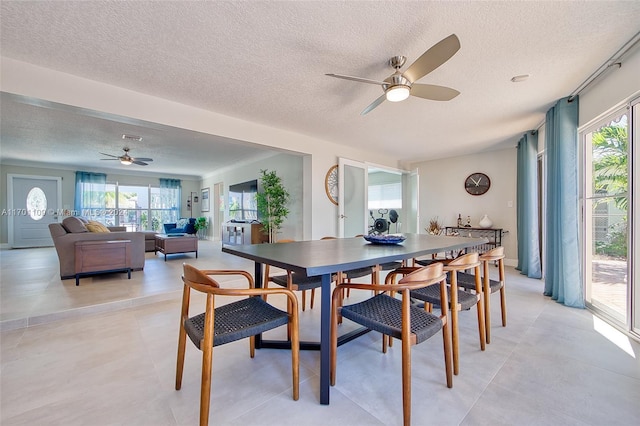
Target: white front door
<point x="33" y="203"/>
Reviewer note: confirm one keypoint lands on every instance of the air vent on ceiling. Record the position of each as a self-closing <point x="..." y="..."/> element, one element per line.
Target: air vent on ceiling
<point x="132" y="138"/>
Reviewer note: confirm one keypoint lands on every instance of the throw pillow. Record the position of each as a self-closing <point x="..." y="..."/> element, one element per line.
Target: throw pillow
<point x="181" y="223"/>
<point x="73" y="225"/>
<point x="94" y="226"/>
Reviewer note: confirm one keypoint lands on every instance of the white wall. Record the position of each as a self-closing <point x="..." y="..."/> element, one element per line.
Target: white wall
<point x="442" y="193"/>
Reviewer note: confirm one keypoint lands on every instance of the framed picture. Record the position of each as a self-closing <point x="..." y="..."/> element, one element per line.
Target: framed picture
<point x="205" y="200"/>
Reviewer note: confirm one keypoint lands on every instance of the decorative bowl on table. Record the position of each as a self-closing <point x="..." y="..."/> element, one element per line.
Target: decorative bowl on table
<point x="385" y="238"/>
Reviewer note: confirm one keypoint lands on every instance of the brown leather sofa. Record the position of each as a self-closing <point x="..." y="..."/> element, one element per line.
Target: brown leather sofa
<point x="66" y="234"/>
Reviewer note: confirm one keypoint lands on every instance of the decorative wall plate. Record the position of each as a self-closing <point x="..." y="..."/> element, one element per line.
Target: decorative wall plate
<point x="331" y="184"/>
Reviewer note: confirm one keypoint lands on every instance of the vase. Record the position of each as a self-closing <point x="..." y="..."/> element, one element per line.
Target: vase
<point x="485" y="222"/>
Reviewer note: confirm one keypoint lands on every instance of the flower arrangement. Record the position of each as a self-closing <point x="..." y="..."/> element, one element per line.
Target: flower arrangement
<point x="434" y="226"/>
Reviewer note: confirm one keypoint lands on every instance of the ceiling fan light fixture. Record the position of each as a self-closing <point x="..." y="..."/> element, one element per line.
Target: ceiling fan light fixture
<point x="397" y="93"/>
<point x="126" y="161"/>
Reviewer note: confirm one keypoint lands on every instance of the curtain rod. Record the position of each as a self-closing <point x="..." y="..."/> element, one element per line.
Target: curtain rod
<point x="613" y="61"/>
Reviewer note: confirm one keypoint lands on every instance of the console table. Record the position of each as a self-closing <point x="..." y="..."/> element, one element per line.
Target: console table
<point x="243" y="233"/>
<point x="94" y="257"/>
<point x="494" y="235"/>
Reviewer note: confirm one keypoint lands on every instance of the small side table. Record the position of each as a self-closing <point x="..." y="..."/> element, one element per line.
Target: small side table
<point x="94" y="257"/>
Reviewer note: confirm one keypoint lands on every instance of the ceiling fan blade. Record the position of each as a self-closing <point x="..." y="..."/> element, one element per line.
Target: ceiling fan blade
<point x="110" y="158"/>
<point x="358" y="79"/>
<point x="142" y="159"/>
<point x="139" y="163"/>
<point x="374" y="104"/>
<point x="437" y="55"/>
<point x="433" y="92"/>
<point x="108" y="155"/>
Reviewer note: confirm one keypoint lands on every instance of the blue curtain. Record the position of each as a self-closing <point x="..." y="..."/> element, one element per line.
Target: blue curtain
<point x="563" y="280"/>
<point x="527" y="207"/>
<point x="90" y="189"/>
<point x="170" y="183"/>
<point x="171" y="198"/>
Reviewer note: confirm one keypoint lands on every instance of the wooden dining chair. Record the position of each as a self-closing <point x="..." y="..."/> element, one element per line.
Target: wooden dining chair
<point x="397" y="318"/>
<point x="230" y="322"/>
<point x="458" y="299"/>
<point x="489" y="286"/>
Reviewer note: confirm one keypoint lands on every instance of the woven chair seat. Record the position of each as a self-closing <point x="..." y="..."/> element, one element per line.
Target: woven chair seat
<point x="427" y="262"/>
<point x="237" y="320"/>
<point x="431" y="294"/>
<point x="390" y="266"/>
<point x="359" y="272"/>
<point x="301" y="281"/>
<point x="384" y="314"/>
<point x="468" y="281"/>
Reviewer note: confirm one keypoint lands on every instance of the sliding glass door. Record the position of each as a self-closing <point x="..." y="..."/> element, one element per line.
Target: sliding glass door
<point x="606" y="207"/>
<point x="635" y="216"/>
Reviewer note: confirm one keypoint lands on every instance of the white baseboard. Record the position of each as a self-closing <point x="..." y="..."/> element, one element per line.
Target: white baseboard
<point x="511" y="262"/>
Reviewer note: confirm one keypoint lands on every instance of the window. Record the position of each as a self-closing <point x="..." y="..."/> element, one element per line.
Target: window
<point x="138" y="208"/>
<point x="242" y="201"/>
<point x="385" y="196"/>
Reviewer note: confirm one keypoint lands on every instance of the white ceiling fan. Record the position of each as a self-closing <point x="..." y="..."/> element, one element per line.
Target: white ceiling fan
<point x="126" y="159"/>
<point x="399" y="85"/>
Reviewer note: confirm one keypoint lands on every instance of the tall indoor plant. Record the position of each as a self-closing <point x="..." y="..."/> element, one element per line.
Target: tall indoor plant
<point x="272" y="203"/>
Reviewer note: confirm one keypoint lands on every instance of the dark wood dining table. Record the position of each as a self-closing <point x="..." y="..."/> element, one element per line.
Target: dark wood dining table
<point x="326" y="257"/>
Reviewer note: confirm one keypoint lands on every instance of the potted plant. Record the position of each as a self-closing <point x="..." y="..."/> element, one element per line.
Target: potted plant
<point x="201" y="226"/>
<point x="272" y="203"/>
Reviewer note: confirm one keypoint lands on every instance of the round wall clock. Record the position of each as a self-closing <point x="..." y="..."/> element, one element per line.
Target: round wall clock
<point x="331" y="184"/>
<point x="477" y="183"/>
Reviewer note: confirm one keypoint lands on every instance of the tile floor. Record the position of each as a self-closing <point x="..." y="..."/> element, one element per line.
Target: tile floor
<point x="104" y="353"/>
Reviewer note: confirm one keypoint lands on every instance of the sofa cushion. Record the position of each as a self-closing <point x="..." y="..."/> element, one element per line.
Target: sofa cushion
<point x="74" y="225"/>
<point x="94" y="226"/>
<point x="181" y="223"/>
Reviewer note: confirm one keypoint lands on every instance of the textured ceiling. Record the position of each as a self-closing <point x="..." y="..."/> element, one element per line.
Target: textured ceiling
<point x="265" y="62"/>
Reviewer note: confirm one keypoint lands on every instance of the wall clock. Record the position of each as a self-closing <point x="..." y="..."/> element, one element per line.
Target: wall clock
<point x="477" y="183"/>
<point x="331" y="184"/>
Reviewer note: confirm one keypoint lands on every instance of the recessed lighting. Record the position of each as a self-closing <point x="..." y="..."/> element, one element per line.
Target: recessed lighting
<point x="520" y="78"/>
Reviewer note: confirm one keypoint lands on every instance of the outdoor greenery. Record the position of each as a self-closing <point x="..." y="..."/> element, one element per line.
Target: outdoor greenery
<point x="144" y="221"/>
<point x="610" y="177"/>
<point x="610" y="167"/>
<point x="615" y="244"/>
<point x="272" y="203"/>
